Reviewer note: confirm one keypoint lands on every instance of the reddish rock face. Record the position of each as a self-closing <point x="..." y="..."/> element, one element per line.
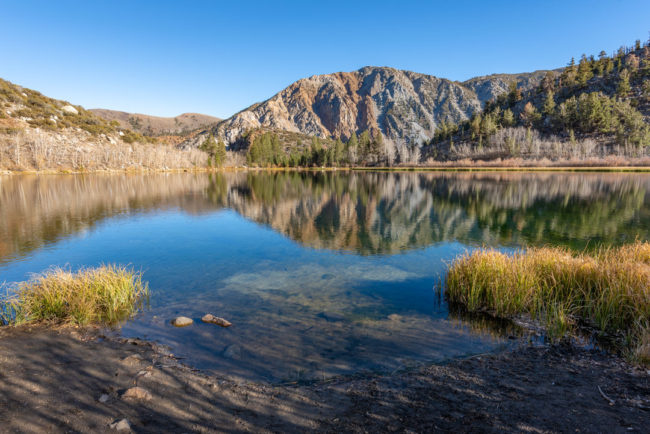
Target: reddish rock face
<point x="405" y="106"/>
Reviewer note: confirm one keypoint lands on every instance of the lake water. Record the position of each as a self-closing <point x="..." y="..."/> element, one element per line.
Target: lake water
<point x="320" y="273"/>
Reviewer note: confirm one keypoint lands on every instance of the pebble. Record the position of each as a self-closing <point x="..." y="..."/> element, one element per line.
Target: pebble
<point x="121" y="425"/>
<point x="209" y="318"/>
<point x="132" y="360"/>
<point x="137" y="393"/>
<point x="182" y="321"/>
<point x="104" y="398"/>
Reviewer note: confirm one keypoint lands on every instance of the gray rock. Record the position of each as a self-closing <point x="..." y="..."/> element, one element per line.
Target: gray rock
<point x="182" y="321"/>
<point x="104" y="398"/>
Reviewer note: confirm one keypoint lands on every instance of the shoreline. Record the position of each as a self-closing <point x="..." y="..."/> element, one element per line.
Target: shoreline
<point x="557" y="387"/>
<point x="563" y="169"/>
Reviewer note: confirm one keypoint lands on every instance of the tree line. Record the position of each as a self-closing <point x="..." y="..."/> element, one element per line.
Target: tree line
<point x="364" y="150"/>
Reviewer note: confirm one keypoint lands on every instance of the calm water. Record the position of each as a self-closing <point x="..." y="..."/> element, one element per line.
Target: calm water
<point x="320" y="273"/>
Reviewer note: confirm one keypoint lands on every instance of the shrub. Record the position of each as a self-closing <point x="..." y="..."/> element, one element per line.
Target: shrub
<point x="608" y="289"/>
<point x="105" y="295"/>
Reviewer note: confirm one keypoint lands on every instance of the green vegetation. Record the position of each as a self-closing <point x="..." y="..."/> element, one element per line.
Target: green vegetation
<point x="47" y="113"/>
<point x="598" y="98"/>
<point x="105" y="295"/>
<point x="216" y="151"/>
<point x="608" y="289"/>
<point x="267" y="150"/>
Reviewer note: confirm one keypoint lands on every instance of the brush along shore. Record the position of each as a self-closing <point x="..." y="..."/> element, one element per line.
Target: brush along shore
<point x="607" y="290"/>
<point x="107" y="295"/>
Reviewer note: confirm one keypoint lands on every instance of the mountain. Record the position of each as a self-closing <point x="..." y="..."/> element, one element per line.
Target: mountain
<point x="488" y="87"/>
<point x="157" y="126"/>
<point x="405" y="106"/>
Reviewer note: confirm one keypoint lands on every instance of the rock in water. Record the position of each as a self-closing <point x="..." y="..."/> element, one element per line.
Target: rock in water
<point x="209" y="318"/>
<point x="137" y="393"/>
<point x="182" y="321"/>
<point x="121" y="425"/>
<point x="233" y="352"/>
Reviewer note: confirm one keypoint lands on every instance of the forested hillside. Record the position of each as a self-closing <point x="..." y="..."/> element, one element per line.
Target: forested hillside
<point x="596" y="107"/>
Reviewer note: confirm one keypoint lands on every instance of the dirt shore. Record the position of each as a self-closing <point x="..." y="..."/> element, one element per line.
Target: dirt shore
<point x="69" y="380"/>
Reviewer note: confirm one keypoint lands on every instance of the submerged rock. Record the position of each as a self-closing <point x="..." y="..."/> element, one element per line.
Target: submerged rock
<point x="209" y="318"/>
<point x="121" y="425"/>
<point x="182" y="321"/>
<point x="233" y="352"/>
<point x="137" y="393"/>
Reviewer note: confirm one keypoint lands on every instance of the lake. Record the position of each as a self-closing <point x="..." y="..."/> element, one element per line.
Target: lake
<point x="321" y="273"/>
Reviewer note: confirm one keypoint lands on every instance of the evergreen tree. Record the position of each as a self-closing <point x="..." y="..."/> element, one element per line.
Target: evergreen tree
<point x="352" y="148"/>
<point x="549" y="104"/>
<point x="584" y="71"/>
<point x="338" y="152"/>
<point x="514" y="94"/>
<point x="220" y="153"/>
<point x="623" y="89"/>
<point x="508" y="119"/>
<point x="364" y="146"/>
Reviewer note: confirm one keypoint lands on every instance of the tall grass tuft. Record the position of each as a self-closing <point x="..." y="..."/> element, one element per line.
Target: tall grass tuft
<point x="608" y="289"/>
<point x="105" y="295"/>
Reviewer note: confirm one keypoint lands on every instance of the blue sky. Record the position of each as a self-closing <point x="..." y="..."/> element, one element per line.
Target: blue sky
<point x="165" y="58"/>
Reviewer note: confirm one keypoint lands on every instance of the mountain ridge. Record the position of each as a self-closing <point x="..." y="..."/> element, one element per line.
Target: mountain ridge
<point x="406" y="106"/>
<point x="157" y="125"/>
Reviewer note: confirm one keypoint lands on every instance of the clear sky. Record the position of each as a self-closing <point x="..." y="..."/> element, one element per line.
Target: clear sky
<point x="165" y="58"/>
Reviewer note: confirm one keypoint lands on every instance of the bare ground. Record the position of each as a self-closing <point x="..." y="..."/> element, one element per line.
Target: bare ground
<point x="52" y="380"/>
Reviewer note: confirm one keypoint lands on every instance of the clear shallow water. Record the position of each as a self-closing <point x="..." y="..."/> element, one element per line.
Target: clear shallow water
<point x="320" y="273"/>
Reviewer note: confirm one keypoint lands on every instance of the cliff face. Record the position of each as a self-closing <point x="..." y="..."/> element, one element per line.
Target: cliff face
<point x="405" y="106"/>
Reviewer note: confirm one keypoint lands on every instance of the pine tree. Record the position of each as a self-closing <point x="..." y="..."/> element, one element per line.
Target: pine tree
<point x="623" y="89"/>
<point x="514" y="94"/>
<point x="508" y="119"/>
<point x="338" y="152"/>
<point x="220" y="153"/>
<point x="377" y="147"/>
<point x="364" y="146"/>
<point x="584" y="71"/>
<point x="549" y="104"/>
<point x="352" y="148"/>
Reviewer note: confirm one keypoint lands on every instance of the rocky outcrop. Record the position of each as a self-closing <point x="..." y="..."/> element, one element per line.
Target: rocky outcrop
<point x="405" y="106"/>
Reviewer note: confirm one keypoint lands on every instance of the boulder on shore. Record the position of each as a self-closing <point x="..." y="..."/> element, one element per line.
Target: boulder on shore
<point x="209" y="318"/>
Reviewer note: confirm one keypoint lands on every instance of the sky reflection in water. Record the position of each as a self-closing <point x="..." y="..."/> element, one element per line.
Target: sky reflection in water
<point x="320" y="273"/>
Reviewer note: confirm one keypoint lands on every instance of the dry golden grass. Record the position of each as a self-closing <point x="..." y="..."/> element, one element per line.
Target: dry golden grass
<point x="608" y="289"/>
<point x="105" y="295"/>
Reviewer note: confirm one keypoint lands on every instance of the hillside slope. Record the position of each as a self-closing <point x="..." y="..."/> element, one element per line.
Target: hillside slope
<point x="156" y="126"/>
<point x="42" y="133"/>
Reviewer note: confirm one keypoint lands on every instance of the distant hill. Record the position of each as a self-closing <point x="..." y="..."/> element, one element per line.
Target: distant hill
<point x="42" y="133"/>
<point x="158" y="126"/>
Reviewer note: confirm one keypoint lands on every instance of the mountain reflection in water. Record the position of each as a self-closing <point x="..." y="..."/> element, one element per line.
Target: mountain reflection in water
<point x="321" y="273"/>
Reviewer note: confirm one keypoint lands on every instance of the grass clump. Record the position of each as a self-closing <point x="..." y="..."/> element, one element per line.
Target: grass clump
<point x="608" y="289"/>
<point x="105" y="295"/>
